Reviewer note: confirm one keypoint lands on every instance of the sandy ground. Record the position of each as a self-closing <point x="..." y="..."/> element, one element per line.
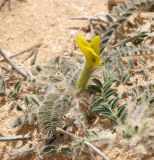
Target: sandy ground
<point x="33" y="20"/>
<point x="30" y="21"/>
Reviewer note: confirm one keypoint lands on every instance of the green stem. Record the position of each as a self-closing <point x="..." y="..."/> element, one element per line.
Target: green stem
<point x="84" y="77"/>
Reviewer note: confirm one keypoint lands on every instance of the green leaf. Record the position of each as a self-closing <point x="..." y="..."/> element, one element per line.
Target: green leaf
<point x="125" y="78"/>
<point x="137" y="41"/>
<point x="113" y="118"/>
<point x="96" y="101"/>
<point x="17" y="85"/>
<point x="104" y="113"/>
<point x="16" y="90"/>
<point x="102" y="27"/>
<point x="114" y="103"/>
<point x="27" y="100"/>
<point x="102" y="109"/>
<point x="106" y="86"/>
<point x="121" y="110"/>
<point x="127" y="135"/>
<point x="17" y="123"/>
<point x="94" y="89"/>
<point x="124" y="116"/>
<point x="49" y="148"/>
<point x="38" y="68"/>
<point x="151" y="100"/>
<point x="134" y="92"/>
<point x="143" y="62"/>
<point x="105" y="76"/>
<point x="35" y="101"/>
<point x="65" y="150"/>
<point x="122" y="19"/>
<point x="18" y="108"/>
<point x="110" y="92"/>
<point x="96" y="33"/>
<point x="120" y="66"/>
<point x="108" y="33"/>
<point x="131" y="64"/>
<point x="2" y="86"/>
<point x="97" y="82"/>
<point x="109" y="18"/>
<point x="116" y="77"/>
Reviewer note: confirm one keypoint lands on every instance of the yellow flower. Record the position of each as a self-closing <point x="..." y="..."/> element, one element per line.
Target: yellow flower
<point x="91" y="51"/>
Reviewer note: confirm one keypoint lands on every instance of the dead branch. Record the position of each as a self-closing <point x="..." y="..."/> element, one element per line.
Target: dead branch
<point x="15" y="138"/>
<point x="91" y="28"/>
<point x="84" y="18"/>
<point x="37" y="45"/>
<point x="21" y="152"/>
<point x="85" y="142"/>
<point x="96" y="19"/>
<point x="34" y="52"/>
<point x="20" y="69"/>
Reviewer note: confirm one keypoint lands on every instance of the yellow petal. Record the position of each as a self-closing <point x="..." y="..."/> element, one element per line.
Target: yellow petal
<point x="95" y="44"/>
<point x="80" y="40"/>
<point x="92" y="59"/>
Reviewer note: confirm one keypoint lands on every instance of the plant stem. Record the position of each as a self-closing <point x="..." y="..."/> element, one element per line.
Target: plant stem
<point x="84" y="77"/>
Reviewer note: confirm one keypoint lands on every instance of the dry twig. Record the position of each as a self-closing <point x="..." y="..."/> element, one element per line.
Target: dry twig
<point x="16" y="66"/>
<point x="91" y="28"/>
<point x="34" y="52"/>
<point x="85" y="142"/>
<point x="96" y="19"/>
<point x="15" y="138"/>
<point x="37" y="45"/>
